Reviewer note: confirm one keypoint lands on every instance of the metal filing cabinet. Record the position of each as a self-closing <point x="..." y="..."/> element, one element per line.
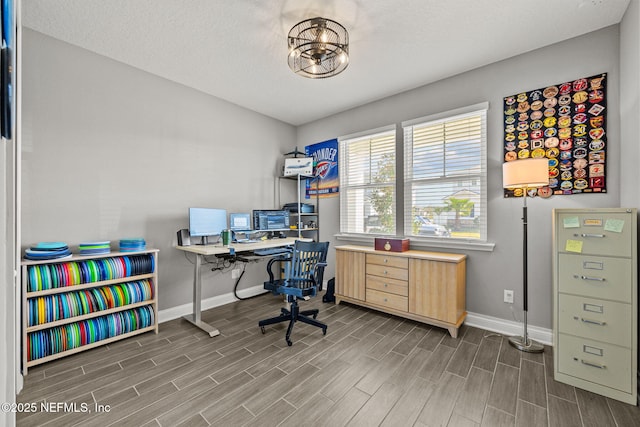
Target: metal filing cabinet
<point x="595" y="300"/>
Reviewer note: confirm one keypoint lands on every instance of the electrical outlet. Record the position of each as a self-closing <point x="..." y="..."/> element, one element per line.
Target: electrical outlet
<point x="508" y="296"/>
<point x="235" y="273"/>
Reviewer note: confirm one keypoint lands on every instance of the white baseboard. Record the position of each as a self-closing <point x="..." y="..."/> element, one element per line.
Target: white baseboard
<point x="493" y="324"/>
<point x="508" y="327"/>
<point x="184" y="309"/>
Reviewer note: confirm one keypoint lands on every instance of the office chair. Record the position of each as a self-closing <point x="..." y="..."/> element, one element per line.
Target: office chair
<point x="303" y="279"/>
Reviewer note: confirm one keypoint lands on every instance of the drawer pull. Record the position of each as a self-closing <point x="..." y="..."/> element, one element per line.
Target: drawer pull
<point x="592" y="364"/>
<point x="385" y="285"/>
<point x="386" y="260"/>
<point x="385" y="300"/>
<point x="385" y="272"/>
<point x="592" y="322"/>
<point x="598" y="279"/>
<point x="588" y="235"/>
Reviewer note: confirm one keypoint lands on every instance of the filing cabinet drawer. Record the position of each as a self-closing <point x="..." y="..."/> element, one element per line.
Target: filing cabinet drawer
<point x="599" y="320"/>
<point x="595" y="361"/>
<point x="390" y="261"/>
<point x="597" y="238"/>
<point x="388" y="272"/>
<point x="596" y="277"/>
<point x="398" y="287"/>
<point x="387" y="300"/>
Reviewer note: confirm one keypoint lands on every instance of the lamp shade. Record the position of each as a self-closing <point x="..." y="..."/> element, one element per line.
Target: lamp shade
<point x="527" y="173"/>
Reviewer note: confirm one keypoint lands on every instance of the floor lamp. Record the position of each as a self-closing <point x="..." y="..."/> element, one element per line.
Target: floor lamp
<point x="525" y="174"/>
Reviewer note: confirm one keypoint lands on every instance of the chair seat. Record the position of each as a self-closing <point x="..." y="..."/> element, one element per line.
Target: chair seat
<point x="297" y="288"/>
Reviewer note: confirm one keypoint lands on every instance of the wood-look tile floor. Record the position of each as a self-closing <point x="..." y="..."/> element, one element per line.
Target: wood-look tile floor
<point x="370" y="369"/>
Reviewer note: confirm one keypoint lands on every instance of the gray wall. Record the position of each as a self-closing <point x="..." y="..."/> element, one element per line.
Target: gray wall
<point x="630" y="105"/>
<point x="111" y="152"/>
<point x="488" y="273"/>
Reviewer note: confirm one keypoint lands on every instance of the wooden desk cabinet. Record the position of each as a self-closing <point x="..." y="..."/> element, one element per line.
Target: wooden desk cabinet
<point x="424" y="286"/>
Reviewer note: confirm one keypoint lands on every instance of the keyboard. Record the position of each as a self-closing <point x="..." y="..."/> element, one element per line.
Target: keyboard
<point x="271" y="251"/>
<point x="247" y="241"/>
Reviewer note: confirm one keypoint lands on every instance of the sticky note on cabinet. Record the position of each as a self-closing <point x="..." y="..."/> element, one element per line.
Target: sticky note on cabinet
<point x="571" y="222"/>
<point x="573" y="246"/>
<point x="614" y="225"/>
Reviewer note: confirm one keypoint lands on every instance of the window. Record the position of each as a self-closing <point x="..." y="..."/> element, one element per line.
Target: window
<point x="446" y="174"/>
<point x="368" y="182"/>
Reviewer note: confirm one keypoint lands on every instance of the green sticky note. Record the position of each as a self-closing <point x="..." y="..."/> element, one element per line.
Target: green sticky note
<point x="571" y="222"/>
<point x="573" y="246"/>
<point x="614" y="225"/>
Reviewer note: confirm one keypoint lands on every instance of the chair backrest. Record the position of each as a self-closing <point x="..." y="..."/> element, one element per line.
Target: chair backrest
<point x="306" y="255"/>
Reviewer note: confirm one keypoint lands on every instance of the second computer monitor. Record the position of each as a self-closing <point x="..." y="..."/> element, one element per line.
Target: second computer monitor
<point x="240" y="221"/>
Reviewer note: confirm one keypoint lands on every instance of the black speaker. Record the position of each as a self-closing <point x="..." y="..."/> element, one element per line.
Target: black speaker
<point x="184" y="239"/>
<point x="329" y="296"/>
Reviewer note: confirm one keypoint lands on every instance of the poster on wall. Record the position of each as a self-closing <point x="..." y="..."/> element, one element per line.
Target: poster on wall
<point x="566" y="124"/>
<point x="325" y="169"/>
<point x="6" y="69"/>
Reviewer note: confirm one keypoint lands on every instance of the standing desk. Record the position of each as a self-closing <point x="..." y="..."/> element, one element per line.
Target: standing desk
<point x="204" y="250"/>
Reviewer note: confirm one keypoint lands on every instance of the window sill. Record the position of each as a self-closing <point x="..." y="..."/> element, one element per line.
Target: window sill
<point x="425" y="243"/>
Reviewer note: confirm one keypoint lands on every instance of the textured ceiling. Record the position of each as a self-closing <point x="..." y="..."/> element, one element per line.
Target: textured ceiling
<point x="237" y="50"/>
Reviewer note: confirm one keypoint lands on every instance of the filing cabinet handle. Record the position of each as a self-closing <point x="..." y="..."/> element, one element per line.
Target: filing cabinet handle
<point x="386" y="260"/>
<point x="599" y="279"/>
<point x="385" y="285"/>
<point x="588" y="235"/>
<point x="592" y="364"/>
<point x="385" y="272"/>
<point x="593" y="322"/>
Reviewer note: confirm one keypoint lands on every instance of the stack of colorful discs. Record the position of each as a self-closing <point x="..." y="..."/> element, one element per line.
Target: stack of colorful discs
<point x="66" y="337"/>
<point x="58" y="275"/>
<point x="132" y="245"/>
<point x="47" y="250"/>
<point x="93" y="248"/>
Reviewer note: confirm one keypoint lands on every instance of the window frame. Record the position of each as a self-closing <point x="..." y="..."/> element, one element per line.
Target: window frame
<point x="345" y="209"/>
<point x="408" y="182"/>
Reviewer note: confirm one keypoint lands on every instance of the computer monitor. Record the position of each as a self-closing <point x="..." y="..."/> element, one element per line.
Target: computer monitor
<point x="271" y="220"/>
<point x="240" y="221"/>
<point x="206" y="222"/>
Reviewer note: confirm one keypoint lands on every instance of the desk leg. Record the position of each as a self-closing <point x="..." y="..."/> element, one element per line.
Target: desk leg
<point x="195" y="318"/>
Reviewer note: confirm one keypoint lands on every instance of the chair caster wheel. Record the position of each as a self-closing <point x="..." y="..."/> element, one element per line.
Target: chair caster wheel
<point x="315" y="316"/>
<point x="324" y="331"/>
<point x="263" y="330"/>
<point x="289" y="343"/>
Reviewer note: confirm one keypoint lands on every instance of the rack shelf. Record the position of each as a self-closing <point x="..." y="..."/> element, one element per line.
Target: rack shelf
<point x="297" y="217"/>
<point x="60" y="337"/>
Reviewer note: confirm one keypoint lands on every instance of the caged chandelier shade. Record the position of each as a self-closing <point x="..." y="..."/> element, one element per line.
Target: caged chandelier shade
<point x="318" y="48"/>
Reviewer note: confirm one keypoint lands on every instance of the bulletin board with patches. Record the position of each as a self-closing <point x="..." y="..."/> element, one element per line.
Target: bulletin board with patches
<point x="566" y="124"/>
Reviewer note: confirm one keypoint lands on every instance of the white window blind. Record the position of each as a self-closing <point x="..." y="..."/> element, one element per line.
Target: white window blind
<point x="445" y="175"/>
<point x="367" y="183"/>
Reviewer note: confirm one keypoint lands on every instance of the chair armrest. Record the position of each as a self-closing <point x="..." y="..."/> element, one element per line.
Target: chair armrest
<point x="283" y="257"/>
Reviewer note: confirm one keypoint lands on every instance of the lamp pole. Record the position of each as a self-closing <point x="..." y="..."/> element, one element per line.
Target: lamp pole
<point x="523" y="343"/>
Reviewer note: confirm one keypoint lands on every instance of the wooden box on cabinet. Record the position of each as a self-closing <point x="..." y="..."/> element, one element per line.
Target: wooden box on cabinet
<point x="595" y="300"/>
<point x="424" y="286"/>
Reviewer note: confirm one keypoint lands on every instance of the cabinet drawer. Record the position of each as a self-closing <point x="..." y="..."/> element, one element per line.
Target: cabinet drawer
<point x="595" y="238"/>
<point x="596" y="277"/>
<point x="595" y="361"/>
<point x="388" y="272"/>
<point x="600" y="320"/>
<point x="390" y="261"/>
<point x="385" y="299"/>
<point x="398" y="287"/>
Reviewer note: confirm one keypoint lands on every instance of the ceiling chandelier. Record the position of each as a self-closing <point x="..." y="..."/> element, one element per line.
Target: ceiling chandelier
<point x="318" y="48"/>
